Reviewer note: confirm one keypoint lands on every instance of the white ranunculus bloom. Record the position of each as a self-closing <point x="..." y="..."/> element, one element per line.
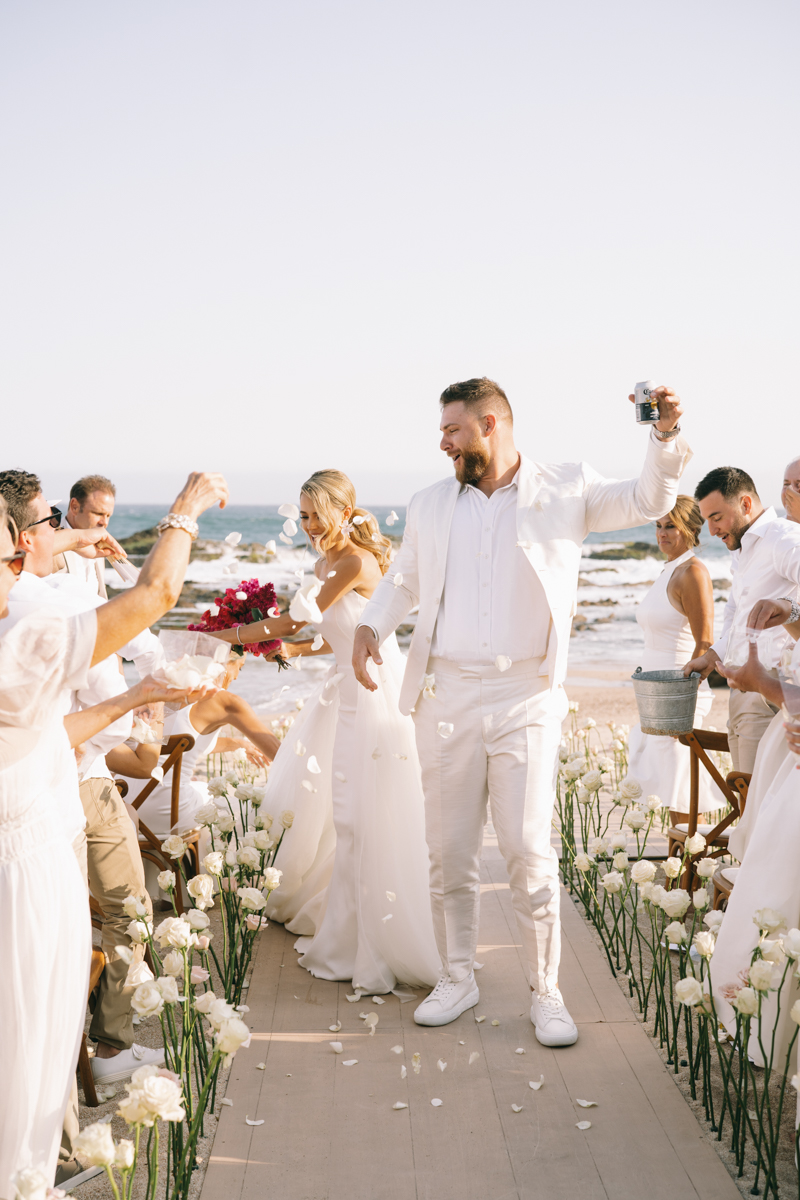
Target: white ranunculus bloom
<point x="272" y="878"/>
<point x="700" y="899"/>
<point x="769" y="920"/>
<point x="689" y="991"/>
<point x="672" y="867"/>
<point x="147" y="1000"/>
<point x="704" y="943"/>
<point x="166" y="880"/>
<point x="761" y="975"/>
<point x="132" y="906"/>
<point x="251" y="899"/>
<point x="180" y="933"/>
<point x="173" y="963"/>
<point x="168" y="986"/>
<point x="30" y="1184"/>
<point x="95" y="1144"/>
<point x="675" y="933"/>
<point x="231" y="1034"/>
<point x="126" y="1153"/>
<point x="676" y="902"/>
<point x="746" y="1002"/>
<point x="643" y="871"/>
<point x="612" y="881"/>
<point x="249" y="857"/>
<point x="214" y="863"/>
<point x="197" y="919"/>
<point x="695" y="843"/>
<point x="174" y="846"/>
<point x="163" y="1097"/>
<point x="791" y="943"/>
<point x="583" y="862"/>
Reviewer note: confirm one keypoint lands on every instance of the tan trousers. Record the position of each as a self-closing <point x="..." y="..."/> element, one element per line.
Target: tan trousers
<point x="108" y="852"/>
<point x="749" y="714"/>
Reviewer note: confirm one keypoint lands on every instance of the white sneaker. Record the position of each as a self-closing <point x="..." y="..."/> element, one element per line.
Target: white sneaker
<point x="554" y="1026"/>
<point x="447" y="1001"/>
<point x="122" y="1065"/>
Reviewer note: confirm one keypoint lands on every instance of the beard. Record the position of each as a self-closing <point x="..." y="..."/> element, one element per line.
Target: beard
<point x="474" y="461"/>
<point x="737" y="532"/>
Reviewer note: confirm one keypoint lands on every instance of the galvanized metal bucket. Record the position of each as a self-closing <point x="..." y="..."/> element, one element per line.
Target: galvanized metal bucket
<point x="666" y="701"/>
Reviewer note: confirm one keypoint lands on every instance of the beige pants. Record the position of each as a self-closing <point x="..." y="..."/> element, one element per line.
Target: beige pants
<point x="749" y="714"/>
<point x="108" y="853"/>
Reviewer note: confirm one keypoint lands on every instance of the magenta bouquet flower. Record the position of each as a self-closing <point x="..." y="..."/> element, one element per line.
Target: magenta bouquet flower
<point x="250" y="601"/>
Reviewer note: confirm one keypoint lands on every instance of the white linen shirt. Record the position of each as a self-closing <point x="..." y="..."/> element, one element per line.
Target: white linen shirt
<point x="766" y="567"/>
<point x="493" y="602"/>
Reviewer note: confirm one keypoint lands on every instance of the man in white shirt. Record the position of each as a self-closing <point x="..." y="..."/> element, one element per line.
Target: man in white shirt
<point x="790" y="492"/>
<point x="492" y="559"/>
<point x="766" y="566"/>
<point x="91" y="506"/>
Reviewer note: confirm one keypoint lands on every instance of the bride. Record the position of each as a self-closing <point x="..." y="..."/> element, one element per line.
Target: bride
<point x="355" y="860"/>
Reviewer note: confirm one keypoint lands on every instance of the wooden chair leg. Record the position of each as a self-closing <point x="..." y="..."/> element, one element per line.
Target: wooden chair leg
<point x="87" y="1078"/>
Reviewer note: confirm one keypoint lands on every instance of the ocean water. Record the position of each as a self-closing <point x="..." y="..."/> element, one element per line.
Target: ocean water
<point x="608" y="594"/>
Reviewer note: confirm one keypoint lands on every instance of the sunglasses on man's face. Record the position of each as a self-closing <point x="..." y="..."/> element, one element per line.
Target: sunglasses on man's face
<point x="54" y="520"/>
<point x="15" y="561"/>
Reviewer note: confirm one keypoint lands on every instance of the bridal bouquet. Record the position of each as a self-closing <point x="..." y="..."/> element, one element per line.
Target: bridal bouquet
<point x="251" y="601"/>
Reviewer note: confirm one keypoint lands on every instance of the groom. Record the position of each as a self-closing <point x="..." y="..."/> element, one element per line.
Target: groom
<point x="491" y="558"/>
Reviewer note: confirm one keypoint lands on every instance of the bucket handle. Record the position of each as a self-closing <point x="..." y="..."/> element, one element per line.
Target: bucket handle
<point x="694" y="674"/>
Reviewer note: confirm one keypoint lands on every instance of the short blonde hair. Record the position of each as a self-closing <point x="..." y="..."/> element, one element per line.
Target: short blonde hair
<point x="687" y="519"/>
<point x="332" y="492"/>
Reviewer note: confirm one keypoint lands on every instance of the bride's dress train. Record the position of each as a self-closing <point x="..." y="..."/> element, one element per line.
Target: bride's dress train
<point x="355" y="860"/>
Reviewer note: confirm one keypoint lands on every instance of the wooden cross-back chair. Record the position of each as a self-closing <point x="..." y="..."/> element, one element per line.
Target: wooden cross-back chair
<point x="149" y="844"/>
<point x="84" y="1062"/>
<point x="700" y="741"/>
<point x="725" y="876"/>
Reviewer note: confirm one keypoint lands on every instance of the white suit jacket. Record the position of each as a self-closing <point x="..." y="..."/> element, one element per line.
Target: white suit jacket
<point x="558" y="504"/>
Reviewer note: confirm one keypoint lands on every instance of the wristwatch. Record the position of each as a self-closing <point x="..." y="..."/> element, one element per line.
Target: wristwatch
<point x="178" y="521"/>
<point x="795" y="615"/>
<point x="668" y="435"/>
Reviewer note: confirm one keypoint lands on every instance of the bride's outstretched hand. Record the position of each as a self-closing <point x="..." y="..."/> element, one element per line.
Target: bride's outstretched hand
<point x="365" y="647"/>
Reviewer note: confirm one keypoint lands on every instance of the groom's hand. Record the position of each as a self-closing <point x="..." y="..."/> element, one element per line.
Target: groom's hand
<point x="365" y="646"/>
<point x="670" y="408"/>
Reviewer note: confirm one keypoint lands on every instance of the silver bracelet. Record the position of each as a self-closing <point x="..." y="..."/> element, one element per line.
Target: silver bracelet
<point x="178" y="521"/>
<point x="667" y="435"/>
<point x="795" y="614"/>
<point x="239" y="636"/>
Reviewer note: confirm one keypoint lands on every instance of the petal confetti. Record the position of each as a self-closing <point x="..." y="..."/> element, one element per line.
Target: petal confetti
<point x="157" y="773"/>
<point x="290" y="527"/>
<point x="516" y="1108"/>
<point x="308" y="785"/>
<point x="587" y="1103"/>
<point x="536" y="1083"/>
<point x="436" y="1103"/>
<point x="519" y="1050"/>
<point x="349" y="1062"/>
<point x="474" y="1056"/>
<point x="287" y="541"/>
<point x="398" y="580"/>
<point x="270" y="546"/>
<point x="249" y="1122"/>
<point x="479" y="1019"/>
<point x="495" y="1022"/>
<point x="392" y="518"/>
<point x="352" y="999"/>
<point x="335" y="1028"/>
<point x="338" y="775"/>
<point x="289" y="510"/>
<point x="228" y="1103"/>
<point x="299" y="749"/>
<point x="388" y="917"/>
<point x="502" y="662"/>
<point x="442" y="1065"/>
<point x="318" y="642"/>
<point x="403" y="1071"/>
<point x="233" y="539"/>
<point x="399" y="1105"/>
<point x="378" y="1000"/>
<point x="337" y="1047"/>
<point x="583" y="1124"/>
<point x="391" y="896"/>
<point x="444" y="729"/>
<point x="313" y="766"/>
<point x="416" y="1062"/>
<point x="261" y="1066"/>
<point x="396" y="1050"/>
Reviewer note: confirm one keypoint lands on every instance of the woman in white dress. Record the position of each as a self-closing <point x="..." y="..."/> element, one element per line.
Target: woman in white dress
<point x="45" y="935"/>
<point x="677" y="620"/>
<point x="355" y="860"/>
<point x="766" y="842"/>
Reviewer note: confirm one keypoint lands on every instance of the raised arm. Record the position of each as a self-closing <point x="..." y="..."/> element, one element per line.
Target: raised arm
<point x="161" y="578"/>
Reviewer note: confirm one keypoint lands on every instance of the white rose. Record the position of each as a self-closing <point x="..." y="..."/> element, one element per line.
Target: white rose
<point x="583" y="862"/>
<point x="672" y="867"/>
<point x="163" y="1097"/>
<point x="138" y="972"/>
<point x="174" y="846"/>
<point x="126" y="1153"/>
<point x="231" y="777"/>
<point x="769" y="920"/>
<point x="794" y="1013"/>
<point x="712" y="920"/>
<point x="197" y="919"/>
<point x="249" y="857"/>
<point x="225" y="822"/>
<point x="620" y="861"/>
<point x="635" y="820"/>
<point x="700" y="899"/>
<point x="207" y="815"/>
<point x="761" y="975"/>
<point x="695" y="843"/>
<point x="689" y="991"/>
<point x="95" y="1143"/>
<point x="219" y="1012"/>
<point x="582" y="796"/>
<point x="132" y="906"/>
<point x="654" y="804"/>
<point x="646" y="891"/>
<point x="168" y="986"/>
<point x="272" y="878"/>
<point x="592" y="781"/>
<point x="251" y="899"/>
<point x="618" y="841"/>
<point x="676" y="902"/>
<point x="631" y="788"/>
<point x="612" y="882"/>
<point x="706" y="867"/>
<point x="218" y="786"/>
<point x="201" y="889"/>
<point x="166" y="880"/>
<point x="214" y="863"/>
<point x="262" y="840"/>
<point x="643" y="871"/>
<point x="173" y="963"/>
<point x="231" y="1034"/>
<point x="287" y="819"/>
<point x="147" y="1000"/>
<point x="704" y="942"/>
<point x="675" y="933"/>
<point x="138" y="932"/>
<point x="180" y="934"/>
<point x="30" y="1184"/>
<point x="265" y="820"/>
<point x="204" y="1002"/>
<point x="791" y="944"/>
<point x="599" y="845"/>
<point x="231" y="855"/>
<point x="773" y="952"/>
<point x="746" y="1002"/>
<point x="658" y="893"/>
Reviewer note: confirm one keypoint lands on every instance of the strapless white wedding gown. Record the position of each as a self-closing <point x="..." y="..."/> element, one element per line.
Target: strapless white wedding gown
<point x="355" y="861"/>
<point x="660" y="764"/>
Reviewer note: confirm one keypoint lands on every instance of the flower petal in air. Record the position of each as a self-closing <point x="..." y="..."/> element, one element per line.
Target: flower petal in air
<point x="318" y="642"/>
<point x="287" y="541"/>
<point x="398" y="580"/>
<point x="338" y="775"/>
<point x="444" y="729"/>
<point x="583" y="1124"/>
<point x="502" y="662"/>
<point x="304" y="605"/>
<point x="313" y="766"/>
<point x="436" y="1103"/>
<point x="289" y="510"/>
<point x="233" y="539"/>
<point x="275" y="612"/>
<point x="270" y="546"/>
<point x="290" y="527"/>
<point x="308" y="785"/>
<point x="388" y="917"/>
<point x="398" y="1105"/>
<point x="535" y="1084"/>
<point x="241" y="595"/>
<point x="391" y="896"/>
<point x="157" y="773"/>
<point x="299" y="749"/>
<point x="392" y="518"/>
<point x="474" y="1056"/>
<point x="587" y="1103"/>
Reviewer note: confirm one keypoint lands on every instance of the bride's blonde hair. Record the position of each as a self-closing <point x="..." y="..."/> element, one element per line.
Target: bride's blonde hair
<point x="331" y="492"/>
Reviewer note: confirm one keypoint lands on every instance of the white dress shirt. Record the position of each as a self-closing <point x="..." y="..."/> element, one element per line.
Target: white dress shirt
<point x="766" y="567"/>
<point x="91" y="571"/>
<point x="493" y="602"/>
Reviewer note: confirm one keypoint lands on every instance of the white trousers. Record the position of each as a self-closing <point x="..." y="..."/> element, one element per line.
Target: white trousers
<point x="503" y="748"/>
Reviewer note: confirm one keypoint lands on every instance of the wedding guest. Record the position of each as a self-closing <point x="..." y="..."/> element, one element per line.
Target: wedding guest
<point x="45" y="934"/>
<point x="677" y="620"/>
<point x="491" y="557"/>
<point x="790" y="492"/>
<point x="765" y="841"/>
<point x="91" y="506"/>
<point x="766" y="563"/>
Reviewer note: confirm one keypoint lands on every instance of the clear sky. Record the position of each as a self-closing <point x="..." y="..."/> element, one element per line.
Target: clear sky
<point x="262" y="237"/>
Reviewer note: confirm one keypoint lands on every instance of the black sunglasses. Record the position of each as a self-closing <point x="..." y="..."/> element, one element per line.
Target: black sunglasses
<point x="15" y="561"/>
<point x="54" y="520"/>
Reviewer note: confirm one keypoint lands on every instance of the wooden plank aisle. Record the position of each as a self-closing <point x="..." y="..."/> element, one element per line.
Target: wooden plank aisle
<point x="330" y="1132"/>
